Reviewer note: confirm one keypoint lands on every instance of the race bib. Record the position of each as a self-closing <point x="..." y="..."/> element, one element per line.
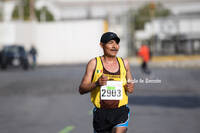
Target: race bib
<point x="112" y="91"/>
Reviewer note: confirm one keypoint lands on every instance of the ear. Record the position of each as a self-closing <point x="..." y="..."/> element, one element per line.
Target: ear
<point x="101" y="44"/>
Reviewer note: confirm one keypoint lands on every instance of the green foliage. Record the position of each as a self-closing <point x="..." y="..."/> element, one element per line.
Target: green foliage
<point x="26" y="12"/>
<point x="1" y="11"/>
<point x="146" y="13"/>
<point x="48" y="16"/>
<point x="1" y="15"/>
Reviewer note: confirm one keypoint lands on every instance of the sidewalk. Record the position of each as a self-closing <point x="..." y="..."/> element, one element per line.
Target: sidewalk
<point x="179" y="61"/>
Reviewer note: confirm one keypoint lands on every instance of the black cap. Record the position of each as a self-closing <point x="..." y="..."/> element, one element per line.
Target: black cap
<point x="106" y="37"/>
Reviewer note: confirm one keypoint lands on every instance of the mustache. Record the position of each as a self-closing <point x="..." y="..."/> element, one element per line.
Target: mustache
<point x="114" y="49"/>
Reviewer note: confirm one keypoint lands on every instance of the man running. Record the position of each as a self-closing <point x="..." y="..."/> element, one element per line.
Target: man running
<point x="106" y="78"/>
<point x="144" y="53"/>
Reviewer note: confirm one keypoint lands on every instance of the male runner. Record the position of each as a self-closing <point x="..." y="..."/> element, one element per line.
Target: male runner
<point x="106" y="78"/>
<point x="144" y="53"/>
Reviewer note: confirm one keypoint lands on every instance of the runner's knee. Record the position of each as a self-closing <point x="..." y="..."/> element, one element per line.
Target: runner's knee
<point x="120" y="130"/>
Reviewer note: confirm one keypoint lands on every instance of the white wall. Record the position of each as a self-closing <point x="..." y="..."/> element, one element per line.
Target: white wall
<point x="7" y="33"/>
<point x="68" y="42"/>
<point x="24" y="33"/>
<point x="57" y="43"/>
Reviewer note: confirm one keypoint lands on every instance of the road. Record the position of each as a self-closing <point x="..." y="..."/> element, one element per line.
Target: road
<point x="46" y="100"/>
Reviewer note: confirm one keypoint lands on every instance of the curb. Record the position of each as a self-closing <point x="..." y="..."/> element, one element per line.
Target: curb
<point x="180" y="61"/>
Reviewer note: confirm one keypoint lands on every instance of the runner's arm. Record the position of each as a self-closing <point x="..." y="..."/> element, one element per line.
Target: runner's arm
<point x="86" y="83"/>
<point x="129" y="86"/>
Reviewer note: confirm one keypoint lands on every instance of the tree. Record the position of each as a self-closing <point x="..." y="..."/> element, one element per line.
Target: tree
<point x="146" y="13"/>
<point x="143" y="15"/>
<point x="44" y="15"/>
<point x="1" y="15"/>
<point x="1" y="10"/>
<point x="22" y="11"/>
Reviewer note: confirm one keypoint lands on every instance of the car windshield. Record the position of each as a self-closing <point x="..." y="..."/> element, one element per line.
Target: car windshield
<point x="14" y="50"/>
<point x="11" y="49"/>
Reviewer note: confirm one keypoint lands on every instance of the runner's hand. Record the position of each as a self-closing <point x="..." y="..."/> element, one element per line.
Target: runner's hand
<point x="102" y="80"/>
<point x="129" y="86"/>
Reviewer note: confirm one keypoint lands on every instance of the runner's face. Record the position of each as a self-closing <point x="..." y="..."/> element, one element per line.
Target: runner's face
<point x="111" y="48"/>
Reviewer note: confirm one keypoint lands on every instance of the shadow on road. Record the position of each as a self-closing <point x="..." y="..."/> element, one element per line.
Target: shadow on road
<point x="166" y="101"/>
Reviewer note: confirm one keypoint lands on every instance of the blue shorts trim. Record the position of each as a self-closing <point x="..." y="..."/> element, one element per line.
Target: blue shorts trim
<point x="125" y="124"/>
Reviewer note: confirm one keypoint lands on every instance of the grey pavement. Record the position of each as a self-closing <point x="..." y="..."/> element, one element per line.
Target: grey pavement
<point x="46" y="100"/>
<point x="175" y="63"/>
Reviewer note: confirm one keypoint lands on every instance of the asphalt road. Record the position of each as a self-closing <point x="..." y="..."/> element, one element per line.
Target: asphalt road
<point x="46" y="100"/>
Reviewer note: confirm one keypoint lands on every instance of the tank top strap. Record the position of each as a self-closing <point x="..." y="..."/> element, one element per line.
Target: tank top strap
<point x="122" y="69"/>
<point x="98" y="70"/>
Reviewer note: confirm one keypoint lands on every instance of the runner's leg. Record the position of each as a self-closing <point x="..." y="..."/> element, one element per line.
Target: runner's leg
<point x="119" y="130"/>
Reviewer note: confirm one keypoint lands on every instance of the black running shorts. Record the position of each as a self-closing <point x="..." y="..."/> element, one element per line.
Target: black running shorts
<point x="105" y="119"/>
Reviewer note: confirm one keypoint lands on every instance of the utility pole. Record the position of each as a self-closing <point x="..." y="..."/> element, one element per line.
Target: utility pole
<point x="43" y="15"/>
<point x="21" y="10"/>
<point x="32" y="10"/>
<point x="152" y="7"/>
<point x="1" y="11"/>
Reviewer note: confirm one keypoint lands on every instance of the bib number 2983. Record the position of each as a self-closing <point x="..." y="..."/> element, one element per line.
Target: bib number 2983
<point x="112" y="91"/>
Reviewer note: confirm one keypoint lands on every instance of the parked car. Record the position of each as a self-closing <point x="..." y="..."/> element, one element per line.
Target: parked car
<point x="14" y="55"/>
